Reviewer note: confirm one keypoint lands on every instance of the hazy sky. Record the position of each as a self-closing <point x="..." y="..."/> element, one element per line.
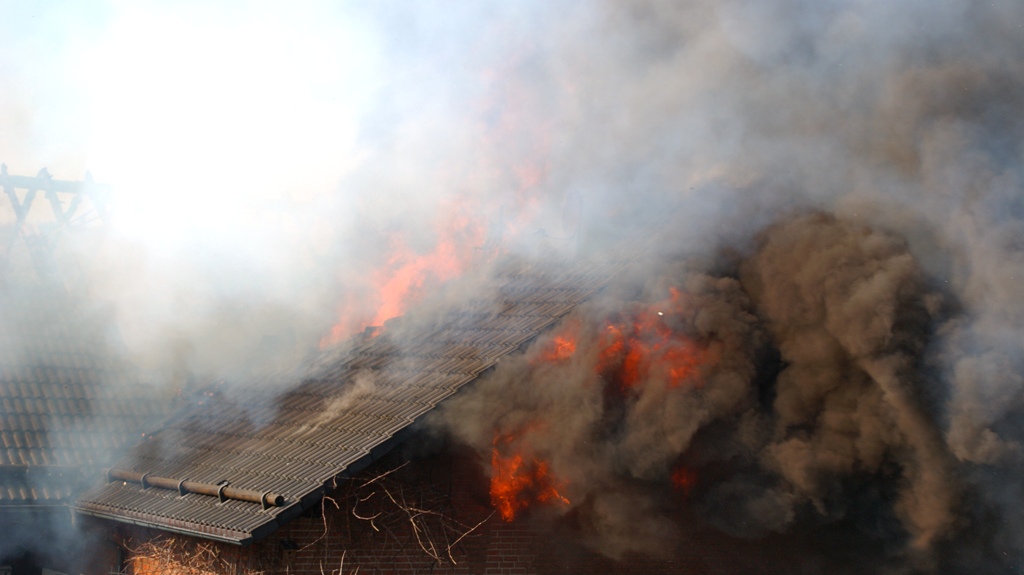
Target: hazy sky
<point x="264" y="159"/>
<point x="182" y="102"/>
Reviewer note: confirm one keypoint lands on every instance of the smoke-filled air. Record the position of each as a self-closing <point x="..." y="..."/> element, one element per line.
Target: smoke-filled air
<point x="819" y="205"/>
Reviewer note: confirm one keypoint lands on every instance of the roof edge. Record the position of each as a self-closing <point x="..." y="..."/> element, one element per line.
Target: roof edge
<point x="145" y="520"/>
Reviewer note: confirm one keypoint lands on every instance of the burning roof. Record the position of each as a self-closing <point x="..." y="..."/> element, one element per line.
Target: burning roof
<point x="235" y="468"/>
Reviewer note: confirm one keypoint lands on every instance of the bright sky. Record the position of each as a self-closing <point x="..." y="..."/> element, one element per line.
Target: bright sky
<point x="225" y="105"/>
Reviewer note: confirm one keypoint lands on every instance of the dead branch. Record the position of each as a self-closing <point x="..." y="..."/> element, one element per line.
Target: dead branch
<point x="323" y="516"/>
<point x="341" y="567"/>
<point x="383" y="475"/>
<point x="387" y="504"/>
<point x="463" y="536"/>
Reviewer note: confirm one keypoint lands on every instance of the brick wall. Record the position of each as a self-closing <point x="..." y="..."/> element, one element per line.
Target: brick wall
<point x="331" y="539"/>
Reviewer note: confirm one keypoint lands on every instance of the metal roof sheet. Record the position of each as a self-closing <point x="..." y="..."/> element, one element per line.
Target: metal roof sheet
<point x="299" y="442"/>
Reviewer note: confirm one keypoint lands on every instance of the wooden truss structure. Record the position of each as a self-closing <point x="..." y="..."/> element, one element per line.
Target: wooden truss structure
<point x="73" y="204"/>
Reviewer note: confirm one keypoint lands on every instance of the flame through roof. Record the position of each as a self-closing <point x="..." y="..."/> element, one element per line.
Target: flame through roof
<point x="299" y="444"/>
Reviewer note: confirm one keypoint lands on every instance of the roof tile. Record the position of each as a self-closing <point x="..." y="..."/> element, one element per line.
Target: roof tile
<point x="48" y="402"/>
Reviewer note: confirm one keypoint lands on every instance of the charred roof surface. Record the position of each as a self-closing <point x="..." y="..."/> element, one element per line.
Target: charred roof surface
<point x="234" y="468"/>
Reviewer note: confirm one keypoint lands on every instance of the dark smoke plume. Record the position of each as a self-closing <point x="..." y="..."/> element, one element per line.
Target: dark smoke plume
<point x="848" y="402"/>
<point x="609" y="443"/>
<point x="848" y="310"/>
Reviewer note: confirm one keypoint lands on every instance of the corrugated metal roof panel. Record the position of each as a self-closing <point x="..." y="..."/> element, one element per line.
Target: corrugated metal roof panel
<point x="302" y="439"/>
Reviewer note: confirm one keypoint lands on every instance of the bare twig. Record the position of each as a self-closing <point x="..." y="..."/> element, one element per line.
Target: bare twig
<point x="461" y="537"/>
<point x="417" y="516"/>
<point x="174" y="556"/>
<point x="382" y="475"/>
<point x="341" y="567"/>
<point x="435" y="532"/>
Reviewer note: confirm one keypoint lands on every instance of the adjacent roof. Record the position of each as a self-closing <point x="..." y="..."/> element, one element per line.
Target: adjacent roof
<point x="235" y="467"/>
<point x="67" y="406"/>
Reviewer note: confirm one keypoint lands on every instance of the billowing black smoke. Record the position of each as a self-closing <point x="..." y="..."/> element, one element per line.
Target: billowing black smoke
<point x="801" y="383"/>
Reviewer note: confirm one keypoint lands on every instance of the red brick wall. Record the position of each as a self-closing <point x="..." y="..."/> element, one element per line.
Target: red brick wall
<point x="335" y="541"/>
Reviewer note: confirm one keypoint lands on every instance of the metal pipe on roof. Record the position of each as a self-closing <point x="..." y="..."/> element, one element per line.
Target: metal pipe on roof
<point x="222" y="491"/>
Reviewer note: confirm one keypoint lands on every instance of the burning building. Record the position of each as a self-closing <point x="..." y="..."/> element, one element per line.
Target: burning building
<point x="812" y="362"/>
<point x="240" y="469"/>
<point x="599" y="416"/>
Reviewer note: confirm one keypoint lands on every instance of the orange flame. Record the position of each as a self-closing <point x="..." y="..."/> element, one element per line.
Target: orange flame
<point x="684" y="479"/>
<point x="517" y="482"/>
<point x="563" y="345"/>
<point x="636" y="349"/>
<point x="408" y="274"/>
<point x="613" y="343"/>
<point x="563" y="348"/>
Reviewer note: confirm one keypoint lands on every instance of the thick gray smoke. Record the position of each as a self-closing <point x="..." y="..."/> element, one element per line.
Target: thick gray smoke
<point x="869" y="353"/>
<point x="609" y="438"/>
<point x="670" y="383"/>
<point x="897" y="325"/>
<point x="848" y="310"/>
